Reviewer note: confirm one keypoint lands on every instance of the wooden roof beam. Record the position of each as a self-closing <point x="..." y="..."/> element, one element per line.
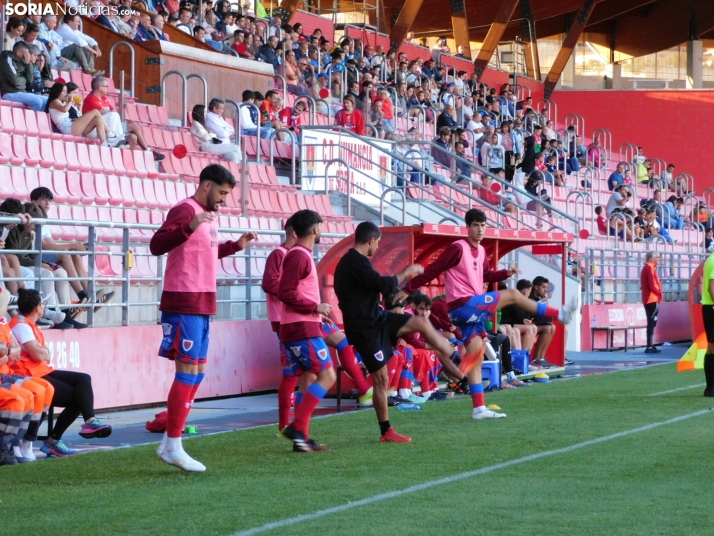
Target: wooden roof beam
<point x="404" y="22"/>
<point x="571" y="39"/>
<point x="498" y="26"/>
<point x="460" y="26"/>
<point x="530" y="41"/>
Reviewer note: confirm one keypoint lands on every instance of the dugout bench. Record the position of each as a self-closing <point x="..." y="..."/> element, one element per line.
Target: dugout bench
<point x="610" y="337"/>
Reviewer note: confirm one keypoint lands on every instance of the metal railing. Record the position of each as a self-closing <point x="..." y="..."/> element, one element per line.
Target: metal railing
<point x="138" y="265"/>
<point x="133" y="62"/>
<point x="613" y="276"/>
<point x="184" y="93"/>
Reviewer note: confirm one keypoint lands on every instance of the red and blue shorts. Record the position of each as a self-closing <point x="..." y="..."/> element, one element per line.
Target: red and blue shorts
<point x="328" y="330"/>
<point x="471" y="316"/>
<point x="185" y="338"/>
<point x="305" y="355"/>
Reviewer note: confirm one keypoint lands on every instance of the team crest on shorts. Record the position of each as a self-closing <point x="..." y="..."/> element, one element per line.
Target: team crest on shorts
<point x="322" y="355"/>
<point x="379" y="356"/>
<point x="487" y="298"/>
<point x="167" y="329"/>
<point x="186" y="345"/>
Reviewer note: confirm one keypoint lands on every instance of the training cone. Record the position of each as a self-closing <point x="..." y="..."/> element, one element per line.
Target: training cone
<point x="180" y="151"/>
<point x="541" y="377"/>
<point x="694" y="357"/>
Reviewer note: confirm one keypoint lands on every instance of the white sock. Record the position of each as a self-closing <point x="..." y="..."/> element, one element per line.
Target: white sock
<point x="164" y="439"/>
<point x="173" y="444"/>
<point x="560" y="316"/>
<point x="426" y="394"/>
<point x="479" y="409"/>
<point x="405" y="393"/>
<point x="16" y="452"/>
<point x="511" y="375"/>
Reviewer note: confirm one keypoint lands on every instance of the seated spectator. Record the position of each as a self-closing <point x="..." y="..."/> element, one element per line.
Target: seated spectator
<point x="616" y="177"/>
<point x="316" y="92"/>
<point x="292" y="118"/>
<point x="709" y="240"/>
<point x="216" y="124"/>
<point x="618" y="199"/>
<point x="534" y="186"/>
<point x="22" y="237"/>
<point x="447" y="118"/>
<point x="90" y="125"/>
<point x="41" y="72"/>
<point x="14" y="29"/>
<point x="122" y="22"/>
<point x="557" y="176"/>
<point x="463" y="169"/>
<point x="97" y="100"/>
<point x="388" y="109"/>
<point x="16" y="74"/>
<point x="441" y="155"/>
<point x="545" y="328"/>
<point x="639" y="223"/>
<point x="375" y="117"/>
<point x="619" y="224"/>
<point x="485" y="191"/>
<point x="72" y="264"/>
<point x="644" y="172"/>
<point x="267" y="53"/>
<point x="250" y="117"/>
<point x="184" y="22"/>
<point x="667" y="177"/>
<point x="350" y="117"/>
<point x="73" y="390"/>
<point x="656" y="204"/>
<point x="292" y="74"/>
<point x="600" y="220"/>
<point x="56" y="45"/>
<point x="207" y="141"/>
<point x="269" y="114"/>
<point x="653" y="228"/>
<point x="672" y="219"/>
<point x="69" y="31"/>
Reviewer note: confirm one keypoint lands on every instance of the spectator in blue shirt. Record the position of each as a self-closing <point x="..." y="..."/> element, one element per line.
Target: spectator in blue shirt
<point x="616" y="177"/>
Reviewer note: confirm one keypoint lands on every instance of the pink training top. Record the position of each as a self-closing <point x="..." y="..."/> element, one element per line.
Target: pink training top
<point x="466" y="278"/>
<point x="275" y="306"/>
<point x="192" y="266"/>
<point x="307" y="288"/>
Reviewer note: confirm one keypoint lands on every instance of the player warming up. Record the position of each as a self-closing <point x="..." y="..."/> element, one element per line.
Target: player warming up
<point x="303" y="346"/>
<point x="332" y="335"/>
<point x="190" y="237"/>
<point x="469" y="308"/>
<point x="372" y="331"/>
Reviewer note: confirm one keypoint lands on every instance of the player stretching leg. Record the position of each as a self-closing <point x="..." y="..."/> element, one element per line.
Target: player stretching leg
<point x="301" y="328"/>
<point x="372" y="331"/>
<point x="462" y="265"/>
<point x="190" y="237"/>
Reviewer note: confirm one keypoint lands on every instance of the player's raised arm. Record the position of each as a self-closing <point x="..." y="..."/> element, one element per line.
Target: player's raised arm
<point x="231" y="247"/>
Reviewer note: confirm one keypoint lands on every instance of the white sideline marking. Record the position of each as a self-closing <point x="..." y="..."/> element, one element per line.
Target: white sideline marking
<point x="462" y="476"/>
<point x="678" y="389"/>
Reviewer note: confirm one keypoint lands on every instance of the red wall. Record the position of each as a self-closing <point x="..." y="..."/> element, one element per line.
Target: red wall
<point x="126" y="370"/>
<point x="673" y="125"/>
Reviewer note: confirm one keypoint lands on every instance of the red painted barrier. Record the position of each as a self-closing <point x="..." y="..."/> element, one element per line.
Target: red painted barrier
<point x="676" y="327"/>
<point x="311" y="21"/>
<point x="126" y="370"/>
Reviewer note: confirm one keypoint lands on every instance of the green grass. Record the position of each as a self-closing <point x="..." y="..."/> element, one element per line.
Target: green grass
<point x="653" y="482"/>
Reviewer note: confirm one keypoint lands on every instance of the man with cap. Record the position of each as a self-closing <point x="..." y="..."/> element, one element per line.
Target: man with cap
<point x="317" y="91"/>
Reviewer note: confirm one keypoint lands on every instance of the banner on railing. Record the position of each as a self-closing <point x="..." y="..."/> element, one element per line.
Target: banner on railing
<point x="368" y="170"/>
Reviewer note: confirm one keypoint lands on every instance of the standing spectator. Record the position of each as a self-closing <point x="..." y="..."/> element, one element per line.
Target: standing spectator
<point x="493" y="155"/>
<point x="350" y="117"/>
<point x="207" y="141"/>
<point x="439" y="48"/>
<point x="651" y="297"/>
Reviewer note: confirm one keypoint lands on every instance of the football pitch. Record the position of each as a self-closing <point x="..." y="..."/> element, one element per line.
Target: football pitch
<point x="622" y="453"/>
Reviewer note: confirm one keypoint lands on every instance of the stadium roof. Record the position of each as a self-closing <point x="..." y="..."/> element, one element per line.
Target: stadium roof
<point x="639" y="26"/>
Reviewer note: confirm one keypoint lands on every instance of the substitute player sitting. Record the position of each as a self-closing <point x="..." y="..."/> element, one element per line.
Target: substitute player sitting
<point x="469" y="309"/>
<point x="372" y="331"/>
<point x="301" y="328"/>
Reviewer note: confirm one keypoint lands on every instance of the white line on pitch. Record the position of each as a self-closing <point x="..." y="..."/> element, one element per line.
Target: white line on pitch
<point x="462" y="476"/>
<point x="678" y="389"/>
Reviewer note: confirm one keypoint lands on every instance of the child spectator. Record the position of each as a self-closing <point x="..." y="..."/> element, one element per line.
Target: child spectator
<point x="601" y="221"/>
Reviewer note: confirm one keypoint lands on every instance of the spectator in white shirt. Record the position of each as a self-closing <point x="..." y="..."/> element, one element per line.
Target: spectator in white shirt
<point x="69" y="31"/>
<point x="207" y="141"/>
<point x="215" y="122"/>
<point x="184" y="23"/>
<point x="249" y="117"/>
<point x="55" y="44"/>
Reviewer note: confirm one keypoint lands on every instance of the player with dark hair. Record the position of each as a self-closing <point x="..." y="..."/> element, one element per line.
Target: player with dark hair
<point x="462" y="264"/>
<point x="190" y="237"/>
<point x="301" y="333"/>
<point x="372" y="331"/>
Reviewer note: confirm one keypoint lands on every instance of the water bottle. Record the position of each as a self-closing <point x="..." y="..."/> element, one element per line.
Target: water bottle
<point x="595" y="321"/>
